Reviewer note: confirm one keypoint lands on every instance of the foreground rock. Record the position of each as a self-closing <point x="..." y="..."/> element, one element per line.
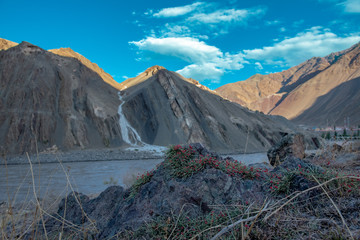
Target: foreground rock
<point x="289" y="145"/>
<point x="189" y="193"/>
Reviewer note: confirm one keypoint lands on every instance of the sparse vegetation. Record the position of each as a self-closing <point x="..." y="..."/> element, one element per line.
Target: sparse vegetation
<point x="183" y="163"/>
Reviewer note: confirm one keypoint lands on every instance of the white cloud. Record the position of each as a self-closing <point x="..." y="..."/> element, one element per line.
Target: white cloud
<point x="186" y="48"/>
<point x="351" y="6"/>
<point x="271" y="23"/>
<point x="316" y="41"/>
<point x="202" y="71"/>
<point x="282" y="29"/>
<point x="206" y="62"/>
<point x="173" y="30"/>
<point x="258" y="66"/>
<point x="225" y="15"/>
<point x="177" y="11"/>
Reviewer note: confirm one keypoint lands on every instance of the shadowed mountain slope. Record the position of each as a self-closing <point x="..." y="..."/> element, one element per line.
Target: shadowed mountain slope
<point x="47" y="99"/>
<point x="331" y="108"/>
<point x="166" y="108"/>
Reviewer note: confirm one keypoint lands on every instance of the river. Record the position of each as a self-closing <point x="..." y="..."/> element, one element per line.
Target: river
<point x="55" y="179"/>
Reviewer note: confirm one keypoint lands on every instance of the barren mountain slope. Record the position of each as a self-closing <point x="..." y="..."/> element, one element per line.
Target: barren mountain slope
<point x="47" y="99"/>
<point x="345" y="68"/>
<point x="331" y="108"/>
<point x="168" y="109"/>
<point x="290" y="93"/>
<point x="68" y="52"/>
<point x="263" y="92"/>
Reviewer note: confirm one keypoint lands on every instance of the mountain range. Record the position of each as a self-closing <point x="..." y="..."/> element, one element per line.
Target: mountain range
<point x="322" y="91"/>
<point x="60" y="98"/>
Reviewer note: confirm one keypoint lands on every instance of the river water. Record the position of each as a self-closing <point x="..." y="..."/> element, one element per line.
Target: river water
<point x="55" y="179"/>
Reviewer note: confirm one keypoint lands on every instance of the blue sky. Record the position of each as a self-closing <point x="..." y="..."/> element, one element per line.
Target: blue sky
<point x="215" y="42"/>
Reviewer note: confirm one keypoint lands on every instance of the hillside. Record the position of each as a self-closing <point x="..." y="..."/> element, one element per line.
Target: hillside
<point x="68" y="52"/>
<point x="292" y="92"/>
<point x="167" y="108"/>
<point x="53" y="100"/>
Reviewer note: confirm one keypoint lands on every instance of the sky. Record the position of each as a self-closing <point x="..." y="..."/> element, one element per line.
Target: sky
<point x="214" y="42"/>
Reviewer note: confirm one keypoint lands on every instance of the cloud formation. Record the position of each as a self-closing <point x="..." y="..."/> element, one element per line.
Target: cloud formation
<point x="206" y="62"/>
<point x="177" y="11"/>
<point x="351" y="6"/>
<point x="225" y="16"/>
<point x="316" y="41"/>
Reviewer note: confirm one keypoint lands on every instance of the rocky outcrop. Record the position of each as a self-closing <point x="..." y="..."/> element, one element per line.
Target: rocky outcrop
<point x="48" y="100"/>
<point x="290" y="145"/>
<point x="115" y="209"/>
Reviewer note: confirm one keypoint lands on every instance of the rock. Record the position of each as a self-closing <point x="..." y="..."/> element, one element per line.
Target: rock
<point x="292" y="163"/>
<point x="289" y="145"/>
<point x="336" y="148"/>
<point x="114" y="210"/>
<point x="83" y="211"/>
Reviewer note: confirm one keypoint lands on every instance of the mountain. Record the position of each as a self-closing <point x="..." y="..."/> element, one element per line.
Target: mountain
<point x="68" y="52"/>
<point x="47" y="99"/>
<point x="166" y="108"/>
<point x="293" y="92"/>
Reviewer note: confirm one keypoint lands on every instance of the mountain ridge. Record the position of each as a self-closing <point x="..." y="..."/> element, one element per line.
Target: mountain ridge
<point x="53" y="100"/>
<point x="291" y="92"/>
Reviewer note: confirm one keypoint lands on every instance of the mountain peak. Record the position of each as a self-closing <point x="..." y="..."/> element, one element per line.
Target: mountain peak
<point x="153" y="70"/>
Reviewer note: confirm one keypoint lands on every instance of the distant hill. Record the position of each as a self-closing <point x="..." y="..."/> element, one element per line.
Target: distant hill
<point x="6" y="44"/>
<point x="296" y="92"/>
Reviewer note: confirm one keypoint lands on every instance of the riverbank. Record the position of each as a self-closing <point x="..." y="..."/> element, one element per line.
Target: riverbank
<point x="148" y="152"/>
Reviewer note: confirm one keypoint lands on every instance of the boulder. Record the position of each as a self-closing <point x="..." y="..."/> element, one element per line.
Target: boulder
<point x="164" y="195"/>
<point x="289" y="145"/>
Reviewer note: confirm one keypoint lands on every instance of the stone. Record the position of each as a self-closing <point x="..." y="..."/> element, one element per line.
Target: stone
<point x="289" y="145"/>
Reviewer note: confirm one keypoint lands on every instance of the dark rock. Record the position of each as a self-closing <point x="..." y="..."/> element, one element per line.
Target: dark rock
<point x="114" y="210"/>
<point x="80" y="210"/>
<point x="71" y="207"/>
<point x="292" y="163"/>
<point x="336" y="148"/>
<point x="289" y="145"/>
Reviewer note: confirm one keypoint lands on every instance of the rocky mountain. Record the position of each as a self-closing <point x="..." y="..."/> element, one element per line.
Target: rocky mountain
<point x="296" y="92"/>
<point x="47" y="99"/>
<point x="68" y="52"/>
<point x="166" y="108"/>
